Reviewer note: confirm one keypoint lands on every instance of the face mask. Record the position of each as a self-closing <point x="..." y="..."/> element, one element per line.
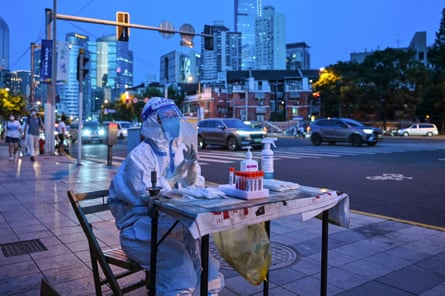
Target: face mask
<point x="11" y="118"/>
<point x="171" y="127"/>
<point x="33" y="113"/>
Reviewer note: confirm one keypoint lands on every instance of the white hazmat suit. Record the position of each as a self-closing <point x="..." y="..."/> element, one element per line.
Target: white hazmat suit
<point x="163" y="151"/>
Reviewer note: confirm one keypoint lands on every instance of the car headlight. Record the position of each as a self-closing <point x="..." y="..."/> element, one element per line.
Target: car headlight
<point x="86" y="133"/>
<point x="243" y="133"/>
<point x="368" y="131"/>
<point x="101" y="132"/>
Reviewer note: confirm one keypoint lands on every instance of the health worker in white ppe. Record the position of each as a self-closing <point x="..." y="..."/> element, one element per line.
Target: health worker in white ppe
<point x="165" y="149"/>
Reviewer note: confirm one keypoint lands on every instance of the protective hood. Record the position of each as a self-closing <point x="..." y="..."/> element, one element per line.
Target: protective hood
<point x="163" y="122"/>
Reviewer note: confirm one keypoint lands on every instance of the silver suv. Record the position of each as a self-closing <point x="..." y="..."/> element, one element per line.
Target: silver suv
<point x="333" y="130"/>
<point x="419" y="129"/>
<point x="228" y="132"/>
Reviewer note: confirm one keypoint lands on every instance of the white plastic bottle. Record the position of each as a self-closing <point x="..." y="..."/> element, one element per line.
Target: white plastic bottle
<point x="267" y="158"/>
<point x="249" y="165"/>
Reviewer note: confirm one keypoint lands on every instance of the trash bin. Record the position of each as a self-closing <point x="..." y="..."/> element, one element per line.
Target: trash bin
<point x="133" y="138"/>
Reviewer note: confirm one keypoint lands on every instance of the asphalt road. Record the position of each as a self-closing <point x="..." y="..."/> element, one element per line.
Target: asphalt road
<point x="402" y="178"/>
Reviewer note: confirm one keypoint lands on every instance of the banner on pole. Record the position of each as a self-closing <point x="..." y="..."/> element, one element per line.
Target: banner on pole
<point x="62" y="62"/>
<point x="46" y="60"/>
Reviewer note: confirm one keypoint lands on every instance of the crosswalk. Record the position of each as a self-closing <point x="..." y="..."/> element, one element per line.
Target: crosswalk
<point x="213" y="156"/>
<point x="207" y="157"/>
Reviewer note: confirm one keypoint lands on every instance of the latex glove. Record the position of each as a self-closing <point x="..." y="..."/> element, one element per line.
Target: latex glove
<point x="189" y="154"/>
<point x="187" y="166"/>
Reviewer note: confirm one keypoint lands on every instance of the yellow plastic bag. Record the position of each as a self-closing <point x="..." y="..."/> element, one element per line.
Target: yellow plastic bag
<point x="247" y="250"/>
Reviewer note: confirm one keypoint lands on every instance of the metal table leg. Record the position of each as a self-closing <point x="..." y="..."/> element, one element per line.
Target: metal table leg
<point x="205" y="265"/>
<point x="324" y="254"/>
<point x="153" y="252"/>
<point x="266" y="282"/>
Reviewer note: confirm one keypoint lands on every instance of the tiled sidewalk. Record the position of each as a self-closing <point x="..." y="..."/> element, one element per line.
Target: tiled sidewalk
<point x="375" y="256"/>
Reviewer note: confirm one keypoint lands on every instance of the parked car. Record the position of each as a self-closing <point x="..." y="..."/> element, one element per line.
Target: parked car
<point x="228" y="132"/>
<point x="122" y="128"/>
<point x="419" y="129"/>
<point x="92" y="131"/>
<point x="333" y="130"/>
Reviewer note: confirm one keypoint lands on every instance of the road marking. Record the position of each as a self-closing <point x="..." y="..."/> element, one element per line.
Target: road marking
<point x="390" y="177"/>
<point x="399" y="220"/>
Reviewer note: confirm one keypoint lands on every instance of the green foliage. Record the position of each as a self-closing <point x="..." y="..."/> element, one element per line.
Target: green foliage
<point x="434" y="104"/>
<point x="11" y="104"/>
<point x="389" y="84"/>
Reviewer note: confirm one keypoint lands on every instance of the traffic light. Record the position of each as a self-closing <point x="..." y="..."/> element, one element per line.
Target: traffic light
<point x="82" y="68"/>
<point x="208" y="40"/>
<point x="122" y="32"/>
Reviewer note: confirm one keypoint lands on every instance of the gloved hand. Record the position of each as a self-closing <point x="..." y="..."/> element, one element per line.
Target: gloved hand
<point x="187" y="165"/>
<point x="189" y="154"/>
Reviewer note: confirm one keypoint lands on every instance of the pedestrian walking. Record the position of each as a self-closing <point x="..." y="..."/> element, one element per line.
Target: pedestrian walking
<point x="33" y="124"/>
<point x="61" y="129"/>
<point x="13" y="135"/>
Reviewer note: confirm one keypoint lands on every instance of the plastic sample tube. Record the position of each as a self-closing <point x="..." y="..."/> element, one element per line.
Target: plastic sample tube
<point x="231" y="175"/>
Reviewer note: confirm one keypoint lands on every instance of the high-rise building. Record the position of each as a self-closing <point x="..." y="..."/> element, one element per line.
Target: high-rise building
<point x="68" y="90"/>
<point x="111" y="69"/>
<point x="298" y="56"/>
<point x="4" y="45"/>
<point x="417" y="45"/>
<point x="246" y="12"/>
<point x="4" y="53"/>
<point x="225" y="55"/>
<point x="178" y="67"/>
<point x="19" y="82"/>
<point x="110" y="72"/>
<point x="270" y="41"/>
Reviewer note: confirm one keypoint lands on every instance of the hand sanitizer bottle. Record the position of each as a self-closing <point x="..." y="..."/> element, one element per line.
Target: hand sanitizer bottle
<point x="249" y="165"/>
<point x="267" y="158"/>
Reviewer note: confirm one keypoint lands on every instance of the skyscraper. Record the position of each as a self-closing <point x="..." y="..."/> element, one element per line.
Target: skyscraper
<point x="4" y="51"/>
<point x="110" y="69"/>
<point x="224" y="57"/>
<point x="270" y="42"/>
<point x="246" y="12"/>
<point x="68" y="91"/>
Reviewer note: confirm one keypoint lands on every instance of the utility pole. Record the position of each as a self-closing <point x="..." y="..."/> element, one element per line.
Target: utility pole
<point x="81" y="72"/>
<point x="51" y="88"/>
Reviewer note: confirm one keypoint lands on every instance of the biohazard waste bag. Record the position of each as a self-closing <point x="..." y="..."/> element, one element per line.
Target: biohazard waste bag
<point x="247" y="250"/>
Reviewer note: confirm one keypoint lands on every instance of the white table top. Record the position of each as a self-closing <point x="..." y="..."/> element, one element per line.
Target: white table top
<point x="205" y="216"/>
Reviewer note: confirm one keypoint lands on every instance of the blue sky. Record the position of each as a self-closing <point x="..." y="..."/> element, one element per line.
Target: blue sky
<point x="332" y="29"/>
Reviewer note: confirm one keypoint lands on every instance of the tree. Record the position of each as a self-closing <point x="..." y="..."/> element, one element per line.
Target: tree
<point x="396" y="80"/>
<point x="11" y="104"/>
<point x="434" y="105"/>
<point x="389" y="84"/>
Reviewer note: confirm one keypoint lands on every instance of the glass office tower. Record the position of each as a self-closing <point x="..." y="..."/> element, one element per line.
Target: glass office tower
<point x="246" y="12"/>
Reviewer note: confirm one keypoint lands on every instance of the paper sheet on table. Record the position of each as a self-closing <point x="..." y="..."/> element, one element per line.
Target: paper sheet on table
<point x="277" y="185"/>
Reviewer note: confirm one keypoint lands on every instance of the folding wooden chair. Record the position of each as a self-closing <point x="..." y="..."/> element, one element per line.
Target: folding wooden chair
<point x="104" y="258"/>
<point x="46" y="289"/>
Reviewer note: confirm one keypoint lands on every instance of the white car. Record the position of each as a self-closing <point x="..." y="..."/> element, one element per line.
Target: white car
<point x="419" y="129"/>
<point x="122" y="128"/>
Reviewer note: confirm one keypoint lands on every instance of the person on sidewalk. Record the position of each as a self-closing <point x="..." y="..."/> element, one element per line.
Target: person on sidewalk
<point x="33" y="124"/>
<point x="13" y="135"/>
<point x="167" y="149"/>
<point x="61" y="129"/>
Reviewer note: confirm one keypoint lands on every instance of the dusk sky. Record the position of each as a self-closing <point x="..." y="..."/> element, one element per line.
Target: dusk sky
<point x="332" y="29"/>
